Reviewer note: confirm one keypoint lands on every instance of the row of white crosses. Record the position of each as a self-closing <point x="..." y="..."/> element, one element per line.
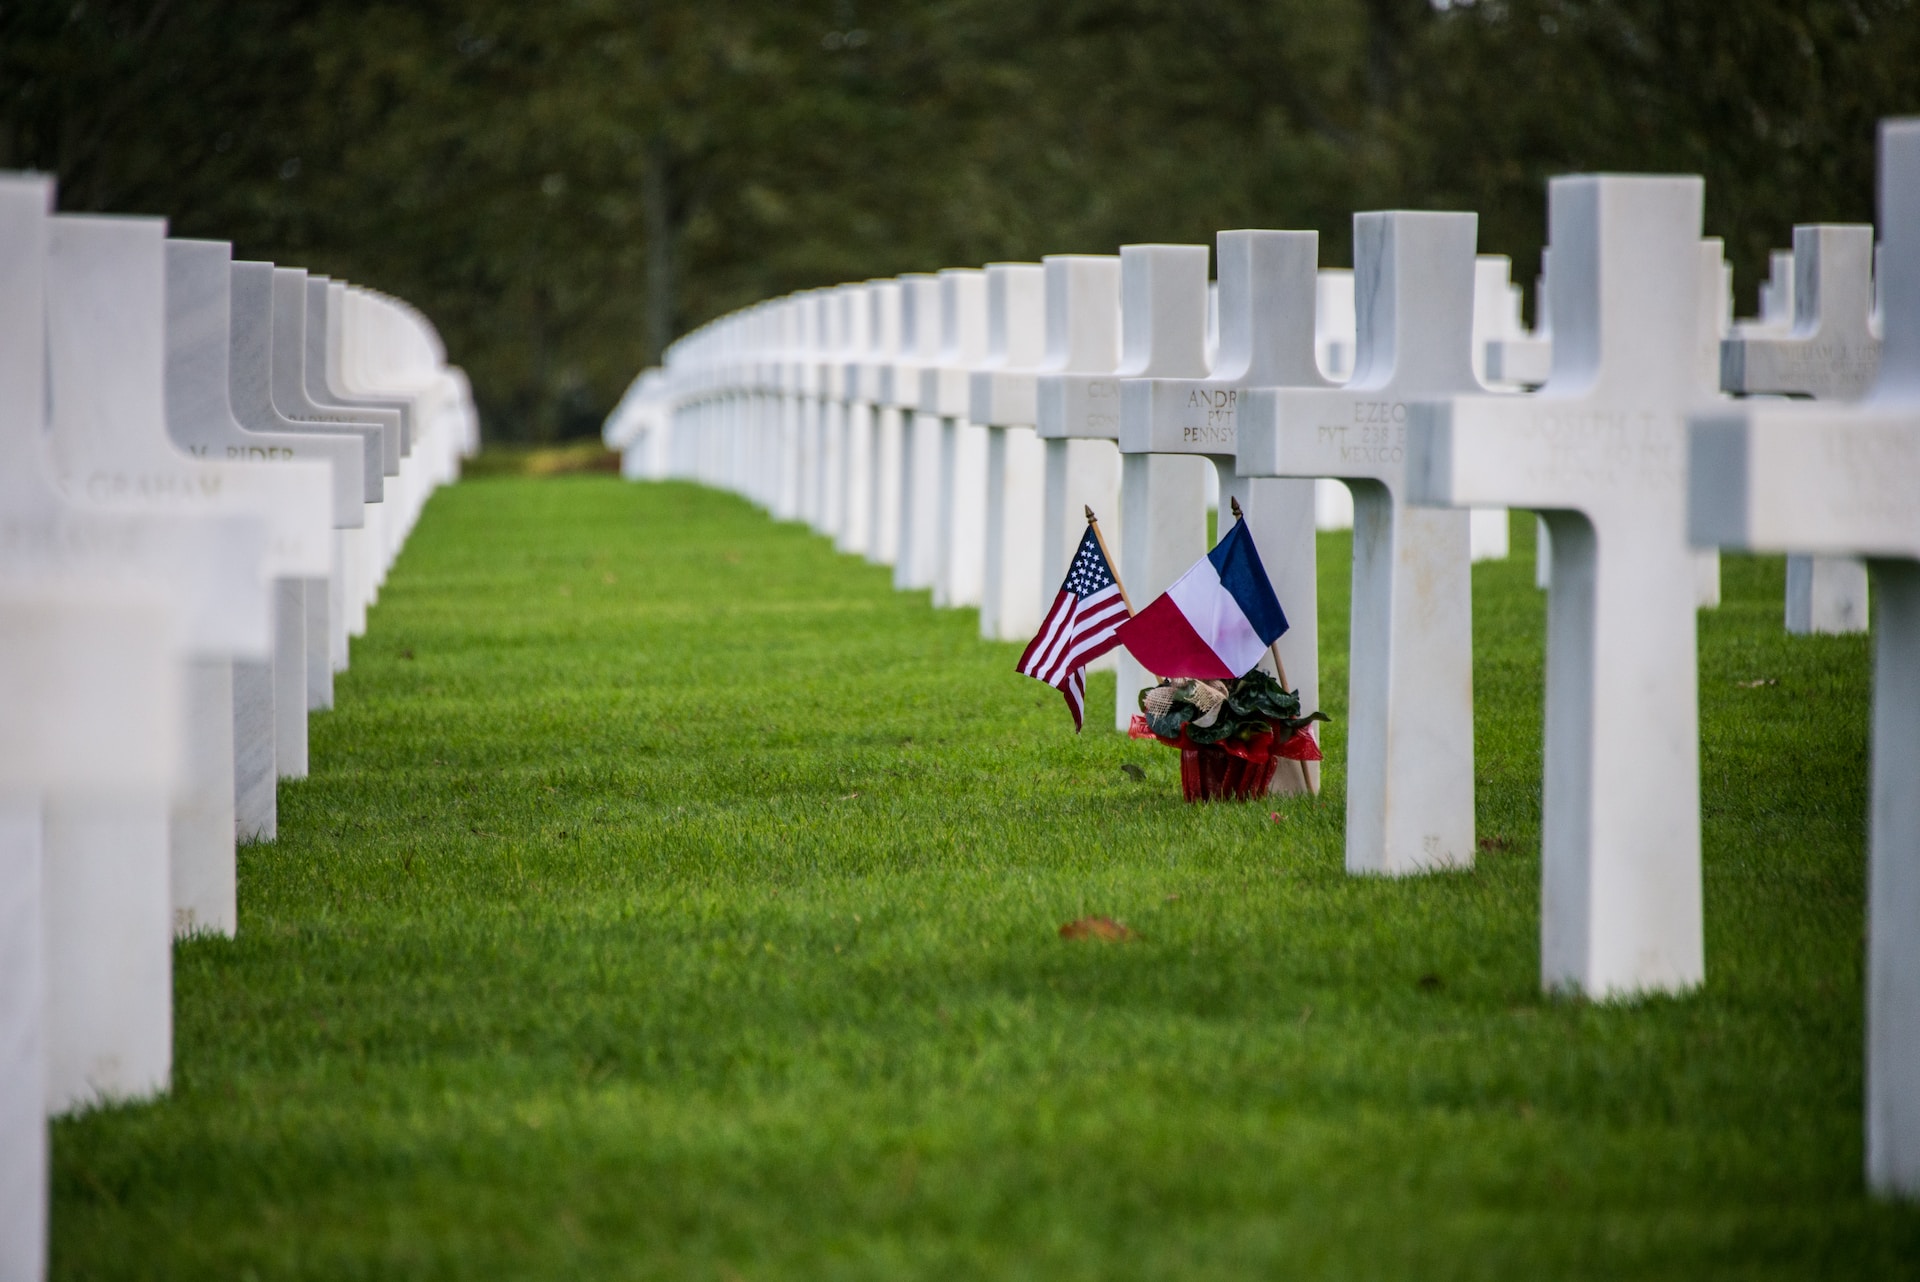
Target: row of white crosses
<point x="206" y="469"/>
<point x="1122" y="384"/>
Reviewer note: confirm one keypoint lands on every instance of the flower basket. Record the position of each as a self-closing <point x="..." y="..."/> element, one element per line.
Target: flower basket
<point x="1236" y="770"/>
<point x="1211" y="773"/>
<point x="1231" y="751"/>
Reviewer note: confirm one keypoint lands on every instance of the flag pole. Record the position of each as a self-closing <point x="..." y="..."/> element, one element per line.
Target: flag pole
<point x="1101" y="539"/>
<point x="1279" y="668"/>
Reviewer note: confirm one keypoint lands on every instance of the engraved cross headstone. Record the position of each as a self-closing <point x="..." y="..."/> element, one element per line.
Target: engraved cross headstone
<point x="916" y="563"/>
<point x="944" y="392"/>
<point x="883" y="423"/>
<point x="1163" y="496"/>
<point x="796" y="366"/>
<point x="1076" y="402"/>
<point x="1268" y="296"/>
<point x="853" y="485"/>
<point x="1002" y="396"/>
<point x="830" y="325"/>
<point x="1599" y="450"/>
<point x="1826" y="350"/>
<point x="1410" y="680"/>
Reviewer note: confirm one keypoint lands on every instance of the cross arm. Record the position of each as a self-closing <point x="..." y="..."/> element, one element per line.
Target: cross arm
<point x="1780" y="477"/>
<point x="1529" y="452"/>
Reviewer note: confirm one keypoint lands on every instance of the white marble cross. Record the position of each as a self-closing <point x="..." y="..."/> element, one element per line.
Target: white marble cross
<point x="1268" y="293"/>
<point x="777" y="443"/>
<point x="1077" y="404"/>
<point x="1824" y="348"/>
<point x="1845" y="480"/>
<point x="795" y="374"/>
<point x="1163" y="496"/>
<point x="803" y="379"/>
<point x="750" y="346"/>
<point x="1600" y="451"/>
<point x="960" y="562"/>
<point x="106" y="899"/>
<point x="917" y="548"/>
<point x="882" y="421"/>
<point x="200" y="420"/>
<point x="1714" y="312"/>
<point x="1410" y="682"/>
<point x="853" y="482"/>
<point x="90" y="646"/>
<point x="1003" y="397"/>
<point x="830" y="329"/>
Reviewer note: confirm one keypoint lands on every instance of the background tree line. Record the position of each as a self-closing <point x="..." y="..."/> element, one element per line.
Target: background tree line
<point x="564" y="187"/>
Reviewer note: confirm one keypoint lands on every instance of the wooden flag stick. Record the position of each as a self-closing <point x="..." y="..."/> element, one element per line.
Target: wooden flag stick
<point x="1101" y="539"/>
<point x="1279" y="668"/>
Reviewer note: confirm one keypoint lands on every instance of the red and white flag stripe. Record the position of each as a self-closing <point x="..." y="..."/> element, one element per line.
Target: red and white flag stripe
<point x="1079" y="628"/>
<point x="1076" y="631"/>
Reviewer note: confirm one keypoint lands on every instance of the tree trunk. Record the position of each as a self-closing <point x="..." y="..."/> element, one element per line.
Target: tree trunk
<point x="655" y="199"/>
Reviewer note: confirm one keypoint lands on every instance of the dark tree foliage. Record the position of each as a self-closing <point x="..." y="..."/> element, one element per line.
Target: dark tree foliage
<point x="565" y="186"/>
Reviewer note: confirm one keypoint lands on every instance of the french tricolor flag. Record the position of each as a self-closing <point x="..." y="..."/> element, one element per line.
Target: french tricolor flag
<point x="1215" y="622"/>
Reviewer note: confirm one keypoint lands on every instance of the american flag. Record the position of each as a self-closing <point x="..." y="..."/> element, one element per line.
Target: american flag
<point x="1079" y="628"/>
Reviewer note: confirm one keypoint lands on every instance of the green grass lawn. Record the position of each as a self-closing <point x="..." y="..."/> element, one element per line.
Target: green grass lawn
<point x="671" y="898"/>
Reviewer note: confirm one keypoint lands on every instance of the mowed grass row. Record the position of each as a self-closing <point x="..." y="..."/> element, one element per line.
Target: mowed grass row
<point x="672" y="898"/>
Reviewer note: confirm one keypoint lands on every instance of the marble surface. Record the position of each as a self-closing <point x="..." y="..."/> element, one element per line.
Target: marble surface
<point x="201" y="871"/>
<point x="290" y="678"/>
<point x="255" y="779"/>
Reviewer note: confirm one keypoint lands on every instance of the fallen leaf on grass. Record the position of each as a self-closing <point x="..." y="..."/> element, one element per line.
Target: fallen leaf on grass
<point x="1171" y="898"/>
<point x="1757" y="682"/>
<point x="407" y="653"/>
<point x="1096" y="928"/>
<point x="1496" y="843"/>
<point x="1132" y="771"/>
<point x="850" y="796"/>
